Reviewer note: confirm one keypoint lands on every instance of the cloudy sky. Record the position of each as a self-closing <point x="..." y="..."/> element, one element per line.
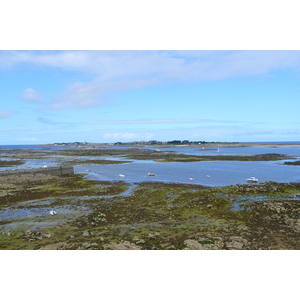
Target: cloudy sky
<point x="111" y="96"/>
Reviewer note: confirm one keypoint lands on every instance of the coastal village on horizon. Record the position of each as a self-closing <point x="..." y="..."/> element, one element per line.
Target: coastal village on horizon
<point x="179" y="143"/>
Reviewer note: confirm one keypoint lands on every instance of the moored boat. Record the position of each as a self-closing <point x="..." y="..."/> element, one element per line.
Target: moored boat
<point x="252" y="179"/>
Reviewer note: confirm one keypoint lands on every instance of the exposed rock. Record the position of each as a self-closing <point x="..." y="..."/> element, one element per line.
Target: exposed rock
<point x="8" y="233"/>
<point x="193" y="245"/>
<point x="85" y="246"/>
<point x="58" y="246"/>
<point x="269" y="187"/>
<point x="236" y="243"/>
<point x="85" y="233"/>
<point x="138" y="240"/>
<point x="204" y="243"/>
<point x="36" y="235"/>
<point x="121" y="246"/>
<point x="47" y="235"/>
<point x="293" y="223"/>
<point x="242" y="228"/>
<point x="151" y="235"/>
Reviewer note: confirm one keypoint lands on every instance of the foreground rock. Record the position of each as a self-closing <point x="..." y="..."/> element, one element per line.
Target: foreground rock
<point x="121" y="246"/>
<point x="58" y="246"/>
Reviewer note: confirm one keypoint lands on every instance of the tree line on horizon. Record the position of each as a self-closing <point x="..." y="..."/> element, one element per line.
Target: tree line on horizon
<point x="173" y="142"/>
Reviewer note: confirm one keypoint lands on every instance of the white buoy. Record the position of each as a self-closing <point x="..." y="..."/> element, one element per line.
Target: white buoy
<point x="52" y="213"/>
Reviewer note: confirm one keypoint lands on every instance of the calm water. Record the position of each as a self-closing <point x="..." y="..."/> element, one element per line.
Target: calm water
<point x="220" y="172"/>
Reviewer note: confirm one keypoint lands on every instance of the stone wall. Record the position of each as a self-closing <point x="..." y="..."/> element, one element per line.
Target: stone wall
<point x="57" y="171"/>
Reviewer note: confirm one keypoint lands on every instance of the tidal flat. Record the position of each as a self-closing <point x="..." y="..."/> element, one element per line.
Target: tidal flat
<point x="116" y="215"/>
<point x="168" y="156"/>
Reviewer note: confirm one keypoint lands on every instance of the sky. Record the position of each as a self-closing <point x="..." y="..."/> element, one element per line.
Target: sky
<point x="133" y="95"/>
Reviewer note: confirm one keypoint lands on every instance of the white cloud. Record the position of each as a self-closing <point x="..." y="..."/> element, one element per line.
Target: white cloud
<point x="5" y="113"/>
<point x="118" y="70"/>
<point x="30" y="95"/>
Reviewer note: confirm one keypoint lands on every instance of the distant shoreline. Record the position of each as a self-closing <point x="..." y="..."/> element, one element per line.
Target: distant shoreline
<point x="206" y="145"/>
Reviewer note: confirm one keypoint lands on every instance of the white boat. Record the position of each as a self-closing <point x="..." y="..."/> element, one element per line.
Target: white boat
<point x="192" y="179"/>
<point x="252" y="179"/>
<point x="151" y="174"/>
<point x="121" y="175"/>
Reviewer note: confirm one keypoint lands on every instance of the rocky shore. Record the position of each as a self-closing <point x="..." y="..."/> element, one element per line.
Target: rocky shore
<point x="94" y="215"/>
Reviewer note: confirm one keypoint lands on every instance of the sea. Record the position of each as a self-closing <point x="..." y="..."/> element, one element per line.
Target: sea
<point x="209" y="173"/>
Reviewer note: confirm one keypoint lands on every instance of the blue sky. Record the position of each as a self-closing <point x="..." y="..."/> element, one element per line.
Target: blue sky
<point x="110" y="96"/>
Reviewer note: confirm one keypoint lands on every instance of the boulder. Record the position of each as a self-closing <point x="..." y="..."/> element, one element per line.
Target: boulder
<point x="236" y="243"/>
<point x="121" y="246"/>
<point x="193" y="245"/>
<point x="58" y="246"/>
<point x="85" y="246"/>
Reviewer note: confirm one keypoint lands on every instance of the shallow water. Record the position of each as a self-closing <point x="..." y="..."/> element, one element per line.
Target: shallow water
<point x="220" y="173"/>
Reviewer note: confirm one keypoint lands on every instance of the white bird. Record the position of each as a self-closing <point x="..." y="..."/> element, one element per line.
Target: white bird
<point x="121" y="175"/>
<point x="87" y="170"/>
<point x="52" y="212"/>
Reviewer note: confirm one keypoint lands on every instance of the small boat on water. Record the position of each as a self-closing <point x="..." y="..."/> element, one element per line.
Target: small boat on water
<point x="121" y="175"/>
<point x="252" y="179"/>
<point x="207" y="176"/>
<point x="192" y="179"/>
<point x="151" y="174"/>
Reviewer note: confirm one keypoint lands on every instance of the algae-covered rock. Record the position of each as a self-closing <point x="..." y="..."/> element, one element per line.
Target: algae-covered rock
<point x="58" y="246"/>
<point x="193" y="245"/>
<point x="121" y="246"/>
